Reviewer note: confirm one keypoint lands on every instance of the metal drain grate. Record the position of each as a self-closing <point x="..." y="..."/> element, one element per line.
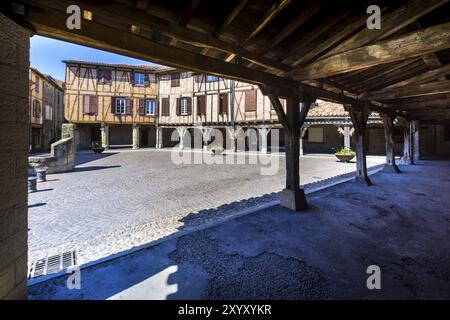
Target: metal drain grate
<point x="52" y="264"/>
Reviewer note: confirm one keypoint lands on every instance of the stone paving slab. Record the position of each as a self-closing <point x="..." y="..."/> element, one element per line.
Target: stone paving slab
<point x="401" y="224"/>
<point x="123" y="199"/>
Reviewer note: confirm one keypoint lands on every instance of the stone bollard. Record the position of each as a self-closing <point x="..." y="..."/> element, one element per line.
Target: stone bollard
<point x="32" y="184"/>
<point x="41" y="174"/>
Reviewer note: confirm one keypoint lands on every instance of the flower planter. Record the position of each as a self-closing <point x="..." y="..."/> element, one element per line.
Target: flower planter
<point x="216" y="151"/>
<point x="98" y="150"/>
<point x="345" y="157"/>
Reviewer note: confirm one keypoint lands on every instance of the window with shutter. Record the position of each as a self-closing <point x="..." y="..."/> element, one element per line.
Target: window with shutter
<point x="165" y="106"/>
<point x="150" y="107"/>
<point x="141" y="107"/>
<point x="184" y="106"/>
<point x="139" y="79"/>
<point x="119" y="105"/>
<point x="201" y="105"/>
<point x="86" y="104"/>
<point x="250" y="100"/>
<point x="129" y="106"/>
<point x="223" y="103"/>
<point x="93" y="104"/>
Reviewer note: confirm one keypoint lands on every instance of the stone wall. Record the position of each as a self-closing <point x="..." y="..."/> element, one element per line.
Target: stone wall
<point x="62" y="155"/>
<point x="14" y="64"/>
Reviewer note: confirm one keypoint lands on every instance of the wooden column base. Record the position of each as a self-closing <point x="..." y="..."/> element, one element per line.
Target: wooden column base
<point x="363" y="179"/>
<point x="294" y="199"/>
<point x="391" y="168"/>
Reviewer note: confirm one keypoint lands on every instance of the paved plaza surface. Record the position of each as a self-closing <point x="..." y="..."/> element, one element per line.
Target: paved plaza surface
<point x="401" y="224"/>
<point x="122" y="198"/>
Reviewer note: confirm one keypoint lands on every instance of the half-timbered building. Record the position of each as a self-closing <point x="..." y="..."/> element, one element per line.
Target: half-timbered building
<point x="46" y="110"/>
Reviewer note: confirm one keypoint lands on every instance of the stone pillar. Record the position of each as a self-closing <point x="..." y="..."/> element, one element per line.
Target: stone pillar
<point x="136" y="137"/>
<point x="302" y="134"/>
<point x="263" y="132"/>
<point x="408" y="144"/>
<point x="359" y="119"/>
<point x="206" y="136"/>
<point x="390" y="165"/>
<point x="293" y="197"/>
<point x="14" y="55"/>
<point x="104" y="129"/>
<point x="159" y="138"/>
<point x="233" y="133"/>
<point x="347" y="135"/>
<point x="181" y="133"/>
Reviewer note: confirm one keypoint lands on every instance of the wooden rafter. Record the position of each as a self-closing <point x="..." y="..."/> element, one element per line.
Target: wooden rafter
<point x="409" y="91"/>
<point x="264" y="21"/>
<point x="304" y="16"/>
<point x="411" y="45"/>
<point x="392" y="23"/>
<point x="188" y="12"/>
<point x="174" y="30"/>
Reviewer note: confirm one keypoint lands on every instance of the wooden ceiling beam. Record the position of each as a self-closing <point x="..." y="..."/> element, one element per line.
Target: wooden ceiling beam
<point x="174" y="30"/>
<point x="391" y="23"/>
<point x="188" y="12"/>
<point x="409" y="91"/>
<point x="411" y="45"/>
<point x="264" y="21"/>
<point x="51" y="23"/>
<point x="433" y="104"/>
<point x="304" y="16"/>
<point x="424" y="77"/>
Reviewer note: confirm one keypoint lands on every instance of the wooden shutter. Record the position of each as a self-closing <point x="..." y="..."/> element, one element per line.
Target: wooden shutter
<point x="201" y="105"/>
<point x="178" y="106"/>
<point x="146" y="80"/>
<point x="189" y="105"/>
<point x="128" y="106"/>
<point x="223" y="103"/>
<point x="93" y="104"/>
<point x="165" y="107"/>
<point x="132" y="77"/>
<point x="175" y="80"/>
<point x="250" y="100"/>
<point x="113" y="105"/>
<point x="142" y="107"/>
<point x="86" y="101"/>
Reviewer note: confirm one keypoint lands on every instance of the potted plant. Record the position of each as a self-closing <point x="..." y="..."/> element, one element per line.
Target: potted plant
<point x="97" y="147"/>
<point x="216" y="149"/>
<point x="345" y="155"/>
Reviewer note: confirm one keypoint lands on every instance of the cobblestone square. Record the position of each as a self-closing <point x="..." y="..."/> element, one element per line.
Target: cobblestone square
<point x="122" y="199"/>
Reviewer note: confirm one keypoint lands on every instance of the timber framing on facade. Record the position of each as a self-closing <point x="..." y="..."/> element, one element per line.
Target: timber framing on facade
<point x="298" y="50"/>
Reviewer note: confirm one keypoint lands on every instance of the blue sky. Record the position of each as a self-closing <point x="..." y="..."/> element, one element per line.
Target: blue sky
<point x="46" y="55"/>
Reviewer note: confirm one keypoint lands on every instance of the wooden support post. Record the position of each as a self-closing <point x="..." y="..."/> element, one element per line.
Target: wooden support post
<point x="359" y="119"/>
<point x="390" y="166"/>
<point x="408" y="143"/>
<point x="298" y="105"/>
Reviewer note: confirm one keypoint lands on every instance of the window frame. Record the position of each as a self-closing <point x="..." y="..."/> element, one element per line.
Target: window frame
<point x="175" y="79"/>
<point x="137" y="76"/>
<point x="146" y="106"/>
<point x="186" y="111"/>
<point x="120" y="99"/>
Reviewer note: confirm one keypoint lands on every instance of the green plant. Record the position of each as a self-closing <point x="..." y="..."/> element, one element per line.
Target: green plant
<point x="345" y="152"/>
<point x="96" y="145"/>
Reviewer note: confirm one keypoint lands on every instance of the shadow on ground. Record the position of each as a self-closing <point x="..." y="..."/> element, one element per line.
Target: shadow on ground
<point x="274" y="253"/>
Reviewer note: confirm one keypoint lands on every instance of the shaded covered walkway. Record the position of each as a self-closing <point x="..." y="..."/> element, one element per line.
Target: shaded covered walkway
<point x="401" y="224"/>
